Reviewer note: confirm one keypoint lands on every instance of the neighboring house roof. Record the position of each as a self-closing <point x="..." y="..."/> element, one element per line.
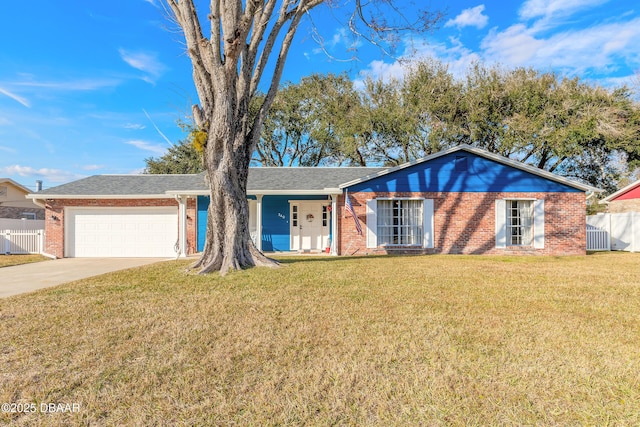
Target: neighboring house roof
<point x="15" y="184"/>
<point x="482" y="153"/>
<point x="631" y="191"/>
<point x="14" y="196"/>
<point x="264" y="180"/>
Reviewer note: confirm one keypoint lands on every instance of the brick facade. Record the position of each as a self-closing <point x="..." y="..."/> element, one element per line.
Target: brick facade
<point x="55" y="210"/>
<point x="464" y="223"/>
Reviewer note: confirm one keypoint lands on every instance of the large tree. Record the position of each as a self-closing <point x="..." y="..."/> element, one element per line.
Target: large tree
<point x="245" y="38"/>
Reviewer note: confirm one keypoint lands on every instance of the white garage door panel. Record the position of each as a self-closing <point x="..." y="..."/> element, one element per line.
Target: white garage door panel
<point x="122" y="232"/>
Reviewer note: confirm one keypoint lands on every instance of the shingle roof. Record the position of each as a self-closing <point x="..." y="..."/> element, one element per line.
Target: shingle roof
<point x="303" y="178"/>
<point x="120" y="185"/>
<point x="260" y="180"/>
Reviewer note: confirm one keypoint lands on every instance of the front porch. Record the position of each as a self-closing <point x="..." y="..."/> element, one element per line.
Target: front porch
<point x="289" y="223"/>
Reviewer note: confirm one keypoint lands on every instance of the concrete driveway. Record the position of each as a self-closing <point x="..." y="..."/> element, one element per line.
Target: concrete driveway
<point x="24" y="278"/>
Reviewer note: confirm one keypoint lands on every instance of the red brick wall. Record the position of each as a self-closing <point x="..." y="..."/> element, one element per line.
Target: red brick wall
<point x="464" y="223"/>
<point x="54" y="218"/>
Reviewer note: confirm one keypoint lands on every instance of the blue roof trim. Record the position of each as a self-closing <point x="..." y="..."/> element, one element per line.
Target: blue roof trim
<point x="463" y="170"/>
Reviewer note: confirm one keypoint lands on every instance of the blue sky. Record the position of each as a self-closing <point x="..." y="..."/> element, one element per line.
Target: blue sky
<point x="96" y="87"/>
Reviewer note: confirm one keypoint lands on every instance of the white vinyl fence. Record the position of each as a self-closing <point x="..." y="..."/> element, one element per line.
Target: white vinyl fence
<point x="21" y="224"/>
<point x="622" y="229"/>
<point x="21" y="241"/>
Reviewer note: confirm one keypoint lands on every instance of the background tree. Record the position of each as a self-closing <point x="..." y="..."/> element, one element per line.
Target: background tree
<point x="309" y="123"/>
<point x="229" y="63"/>
<point x="558" y="124"/>
<point x="180" y="158"/>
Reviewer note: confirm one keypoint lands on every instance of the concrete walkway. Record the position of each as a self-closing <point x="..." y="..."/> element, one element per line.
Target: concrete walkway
<point x="24" y="278"/>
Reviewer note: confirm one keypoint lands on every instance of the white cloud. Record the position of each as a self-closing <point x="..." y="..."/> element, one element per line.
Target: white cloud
<point x="15" y="97"/>
<point x="380" y="70"/>
<point x="46" y="174"/>
<point x="598" y="48"/>
<point x="145" y="62"/>
<point x="516" y="45"/>
<point x="457" y="57"/>
<point x="80" y="85"/>
<point x="531" y="9"/>
<point x="146" y="146"/>
<point x="471" y="17"/>
<point x="134" y="126"/>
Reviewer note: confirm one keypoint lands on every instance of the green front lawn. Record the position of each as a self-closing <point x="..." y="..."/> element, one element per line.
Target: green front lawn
<point x="428" y="340"/>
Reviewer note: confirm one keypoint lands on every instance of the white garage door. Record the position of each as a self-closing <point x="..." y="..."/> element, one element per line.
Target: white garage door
<point x="121" y="232"/>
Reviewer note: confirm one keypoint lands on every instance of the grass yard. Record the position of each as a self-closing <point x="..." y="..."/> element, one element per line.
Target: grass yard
<point x="9" y="260"/>
<point x="429" y="340"/>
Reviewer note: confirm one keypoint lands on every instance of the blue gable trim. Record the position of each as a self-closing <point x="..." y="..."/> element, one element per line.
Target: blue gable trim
<point x="461" y="171"/>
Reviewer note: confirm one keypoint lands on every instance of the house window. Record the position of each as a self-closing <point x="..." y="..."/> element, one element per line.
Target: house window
<point x="28" y="215"/>
<point x="325" y="216"/>
<point x="400" y="222"/>
<point x="294" y="215"/>
<point x="519" y="222"/>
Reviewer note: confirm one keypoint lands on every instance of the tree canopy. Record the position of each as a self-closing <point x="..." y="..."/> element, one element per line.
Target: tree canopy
<point x="555" y="123"/>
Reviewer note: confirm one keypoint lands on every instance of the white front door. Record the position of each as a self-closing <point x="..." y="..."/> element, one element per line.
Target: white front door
<point x="309" y="225"/>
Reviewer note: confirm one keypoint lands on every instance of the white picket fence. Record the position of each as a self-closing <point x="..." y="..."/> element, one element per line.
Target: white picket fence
<point x="21" y="241"/>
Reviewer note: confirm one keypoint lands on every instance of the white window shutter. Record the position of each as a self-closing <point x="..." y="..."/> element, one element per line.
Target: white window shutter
<point x="538" y="224"/>
<point x="501" y="224"/>
<point x="372" y="223"/>
<point x="427" y="224"/>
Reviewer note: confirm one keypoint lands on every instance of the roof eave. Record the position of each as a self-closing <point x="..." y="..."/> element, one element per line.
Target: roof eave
<point x="40" y="196"/>
<point x="322" y="192"/>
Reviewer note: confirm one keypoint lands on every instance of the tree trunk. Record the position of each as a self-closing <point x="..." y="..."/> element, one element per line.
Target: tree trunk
<point x="228" y="244"/>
